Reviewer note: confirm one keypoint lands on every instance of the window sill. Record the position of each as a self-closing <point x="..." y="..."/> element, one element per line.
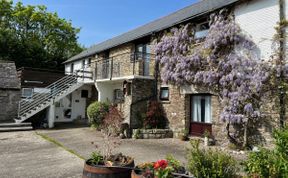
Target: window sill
<point x="165" y="101"/>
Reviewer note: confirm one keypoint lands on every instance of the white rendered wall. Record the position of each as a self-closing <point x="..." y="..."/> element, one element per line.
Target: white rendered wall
<point x="106" y="90"/>
<point x="78" y="105"/>
<point x="258" y="19"/>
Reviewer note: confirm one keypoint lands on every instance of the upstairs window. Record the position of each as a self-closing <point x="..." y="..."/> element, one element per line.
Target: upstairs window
<point x="202" y="30"/>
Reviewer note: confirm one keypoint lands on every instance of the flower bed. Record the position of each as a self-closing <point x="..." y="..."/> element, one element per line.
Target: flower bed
<point x="152" y="133"/>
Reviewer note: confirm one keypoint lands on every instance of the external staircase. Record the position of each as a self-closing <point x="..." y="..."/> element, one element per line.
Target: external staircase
<point x="47" y="96"/>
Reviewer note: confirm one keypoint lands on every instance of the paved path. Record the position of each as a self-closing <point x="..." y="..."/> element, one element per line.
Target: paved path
<point x="27" y="155"/>
<point x="79" y="140"/>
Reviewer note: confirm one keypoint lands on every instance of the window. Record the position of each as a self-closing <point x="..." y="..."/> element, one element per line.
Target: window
<point x="118" y="95"/>
<point x="202" y="30"/>
<point x="89" y="61"/>
<point x="72" y="68"/>
<point x="164" y="93"/>
<point x="201" y="108"/>
<point x="84" y="93"/>
<point x="27" y="92"/>
<point x="83" y="64"/>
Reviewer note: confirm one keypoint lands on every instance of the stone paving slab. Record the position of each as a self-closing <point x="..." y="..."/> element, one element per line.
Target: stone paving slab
<point x="25" y="154"/>
<point x="79" y="140"/>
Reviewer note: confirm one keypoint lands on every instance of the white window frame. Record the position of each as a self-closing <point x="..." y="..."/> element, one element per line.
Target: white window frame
<point x="27" y="96"/>
<point x="196" y="108"/>
<point x="201" y="33"/>
<point x="160" y="95"/>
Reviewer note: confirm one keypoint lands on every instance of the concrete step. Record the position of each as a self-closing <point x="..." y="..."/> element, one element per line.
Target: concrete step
<point x="13" y="124"/>
<point x="13" y="129"/>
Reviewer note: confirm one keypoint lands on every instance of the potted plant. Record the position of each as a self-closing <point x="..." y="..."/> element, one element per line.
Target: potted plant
<point x="145" y="170"/>
<point x="106" y="164"/>
<point x="165" y="168"/>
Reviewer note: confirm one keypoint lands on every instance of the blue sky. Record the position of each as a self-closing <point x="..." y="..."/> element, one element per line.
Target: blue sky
<point x="100" y="20"/>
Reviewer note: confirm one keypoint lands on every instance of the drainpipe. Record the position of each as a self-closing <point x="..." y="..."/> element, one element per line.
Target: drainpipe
<point x="282" y="40"/>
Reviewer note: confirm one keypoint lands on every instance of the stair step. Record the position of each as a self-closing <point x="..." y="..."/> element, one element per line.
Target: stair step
<point x="11" y="129"/>
<point x="13" y="124"/>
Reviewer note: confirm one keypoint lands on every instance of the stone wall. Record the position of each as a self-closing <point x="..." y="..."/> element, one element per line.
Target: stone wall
<point x="152" y="133"/>
<point x="9" y="104"/>
<point x="176" y="110"/>
<point x="9" y="91"/>
<point x="142" y="91"/>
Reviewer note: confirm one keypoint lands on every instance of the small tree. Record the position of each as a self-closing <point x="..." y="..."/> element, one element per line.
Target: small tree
<point x="110" y="129"/>
<point x="155" y="117"/>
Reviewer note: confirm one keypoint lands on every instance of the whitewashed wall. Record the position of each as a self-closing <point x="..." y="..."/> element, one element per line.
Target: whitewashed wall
<point x="258" y="19"/>
<point x="78" y="105"/>
<point x="106" y="90"/>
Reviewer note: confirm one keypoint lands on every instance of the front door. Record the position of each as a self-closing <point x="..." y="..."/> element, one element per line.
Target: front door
<point x="201" y="115"/>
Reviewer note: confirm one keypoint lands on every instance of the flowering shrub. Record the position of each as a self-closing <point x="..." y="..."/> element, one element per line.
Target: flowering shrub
<point x="162" y="170"/>
<point x="225" y="63"/>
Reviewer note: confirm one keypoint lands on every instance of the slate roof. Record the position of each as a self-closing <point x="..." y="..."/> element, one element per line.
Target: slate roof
<point x="190" y="12"/>
<point x="8" y="76"/>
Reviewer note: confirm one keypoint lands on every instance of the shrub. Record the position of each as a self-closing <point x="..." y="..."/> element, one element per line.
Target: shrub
<point x="96" y="113"/>
<point x="270" y="163"/>
<point x="155" y="117"/>
<point x="209" y="163"/>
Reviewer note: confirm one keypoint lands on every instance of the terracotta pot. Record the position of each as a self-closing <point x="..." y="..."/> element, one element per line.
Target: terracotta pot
<point x="102" y="171"/>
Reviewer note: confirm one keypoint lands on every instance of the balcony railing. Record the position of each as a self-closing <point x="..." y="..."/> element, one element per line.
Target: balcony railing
<point x="123" y="65"/>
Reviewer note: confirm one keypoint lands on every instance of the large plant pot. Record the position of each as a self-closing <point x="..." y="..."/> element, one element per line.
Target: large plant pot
<point x="101" y="171"/>
<point x="135" y="175"/>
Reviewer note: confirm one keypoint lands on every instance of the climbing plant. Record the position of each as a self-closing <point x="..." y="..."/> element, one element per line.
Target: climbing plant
<point x="226" y="63"/>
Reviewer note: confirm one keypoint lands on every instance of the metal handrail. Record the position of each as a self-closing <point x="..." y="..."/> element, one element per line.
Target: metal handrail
<point x="55" y="89"/>
<point x="41" y="100"/>
<point x="40" y="94"/>
<point x="45" y="97"/>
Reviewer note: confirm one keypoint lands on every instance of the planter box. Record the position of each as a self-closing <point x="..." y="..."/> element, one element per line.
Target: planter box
<point x="152" y="133"/>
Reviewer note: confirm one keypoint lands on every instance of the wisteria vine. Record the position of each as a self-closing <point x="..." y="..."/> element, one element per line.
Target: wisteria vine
<point x="225" y="62"/>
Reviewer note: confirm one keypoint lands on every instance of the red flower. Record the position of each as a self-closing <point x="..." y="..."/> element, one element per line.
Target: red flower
<point x="160" y="164"/>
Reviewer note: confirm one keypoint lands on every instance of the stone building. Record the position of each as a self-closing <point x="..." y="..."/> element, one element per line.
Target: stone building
<point x="9" y="91"/>
<point x="125" y="72"/>
<point x="124" y="68"/>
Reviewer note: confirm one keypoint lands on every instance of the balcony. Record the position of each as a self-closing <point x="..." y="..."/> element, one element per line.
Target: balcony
<point x="127" y="65"/>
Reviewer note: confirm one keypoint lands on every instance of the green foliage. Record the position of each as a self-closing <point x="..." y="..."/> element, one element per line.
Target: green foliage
<point x="270" y="163"/>
<point x="96" y="113"/>
<point x="172" y="161"/>
<point x="209" y="163"/>
<point x="33" y="37"/>
<point x="96" y="158"/>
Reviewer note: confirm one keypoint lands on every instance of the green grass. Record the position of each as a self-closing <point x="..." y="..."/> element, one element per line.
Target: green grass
<point x="59" y="144"/>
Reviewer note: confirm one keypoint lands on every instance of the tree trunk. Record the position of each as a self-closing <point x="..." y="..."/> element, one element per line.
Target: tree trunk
<point x="245" y="135"/>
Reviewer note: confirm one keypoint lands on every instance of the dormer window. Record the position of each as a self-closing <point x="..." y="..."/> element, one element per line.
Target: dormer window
<point x="202" y="30"/>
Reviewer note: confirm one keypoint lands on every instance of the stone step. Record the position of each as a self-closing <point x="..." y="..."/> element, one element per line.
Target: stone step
<point x="13" y="124"/>
<point x="13" y="129"/>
